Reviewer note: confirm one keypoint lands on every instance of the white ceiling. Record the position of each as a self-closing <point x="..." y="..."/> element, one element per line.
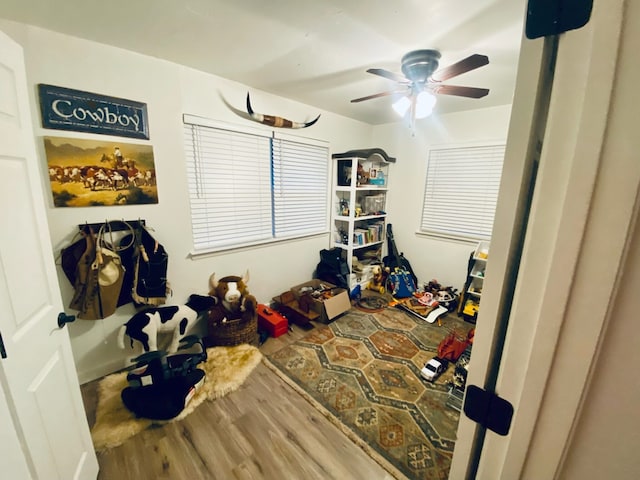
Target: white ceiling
<point x="315" y="52"/>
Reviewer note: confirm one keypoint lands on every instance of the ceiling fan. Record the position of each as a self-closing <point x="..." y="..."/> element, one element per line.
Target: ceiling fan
<point x="422" y="79"/>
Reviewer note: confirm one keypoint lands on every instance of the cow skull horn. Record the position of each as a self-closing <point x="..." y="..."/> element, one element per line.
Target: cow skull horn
<point x="276" y="121"/>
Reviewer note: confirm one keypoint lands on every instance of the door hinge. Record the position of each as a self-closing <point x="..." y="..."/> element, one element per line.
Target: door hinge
<point x="3" y="352"/>
<point x="552" y="17"/>
<point x="488" y="409"/>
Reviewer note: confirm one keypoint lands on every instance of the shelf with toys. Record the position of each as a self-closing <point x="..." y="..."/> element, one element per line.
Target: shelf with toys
<point x="359" y="209"/>
<point x="472" y="291"/>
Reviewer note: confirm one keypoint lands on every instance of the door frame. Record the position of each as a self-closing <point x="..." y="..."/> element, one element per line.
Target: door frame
<point x="569" y="236"/>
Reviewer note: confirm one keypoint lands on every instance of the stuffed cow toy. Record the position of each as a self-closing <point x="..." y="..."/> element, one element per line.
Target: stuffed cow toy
<point x="145" y="325"/>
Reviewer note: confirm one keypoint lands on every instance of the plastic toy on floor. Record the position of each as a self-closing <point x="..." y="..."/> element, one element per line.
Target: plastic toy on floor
<point x="435" y="314"/>
<point x="377" y="283"/>
<point x="425" y="298"/>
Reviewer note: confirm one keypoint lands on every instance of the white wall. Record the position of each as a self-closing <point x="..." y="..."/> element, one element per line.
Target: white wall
<point x="169" y="90"/>
<point x="444" y="260"/>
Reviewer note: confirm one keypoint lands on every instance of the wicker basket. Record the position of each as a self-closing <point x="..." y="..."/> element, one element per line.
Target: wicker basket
<point x="232" y="332"/>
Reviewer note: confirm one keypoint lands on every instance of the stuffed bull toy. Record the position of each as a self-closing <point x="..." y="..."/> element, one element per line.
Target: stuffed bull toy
<point x="233" y="295"/>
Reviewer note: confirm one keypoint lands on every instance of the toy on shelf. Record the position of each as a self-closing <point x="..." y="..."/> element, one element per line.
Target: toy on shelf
<point x="344" y="208"/>
<point x="363" y="175"/>
<point x="469" y="304"/>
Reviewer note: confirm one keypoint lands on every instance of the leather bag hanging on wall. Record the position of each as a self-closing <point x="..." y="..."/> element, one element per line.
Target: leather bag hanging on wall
<point x="151" y="262"/>
<point x="127" y="251"/>
<point x="82" y="279"/>
<point x="71" y="255"/>
<point x="101" y="280"/>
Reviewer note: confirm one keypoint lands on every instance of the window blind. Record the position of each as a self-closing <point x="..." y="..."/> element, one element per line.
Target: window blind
<point x="229" y="187"/>
<point x="246" y="187"/>
<point x="461" y="191"/>
<point x="300" y="177"/>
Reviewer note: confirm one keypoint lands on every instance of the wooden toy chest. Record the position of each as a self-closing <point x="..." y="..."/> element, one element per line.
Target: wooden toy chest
<point x="271" y="321"/>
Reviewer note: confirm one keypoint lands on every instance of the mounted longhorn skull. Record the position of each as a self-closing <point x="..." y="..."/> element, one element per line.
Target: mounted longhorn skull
<point x="276" y="121"/>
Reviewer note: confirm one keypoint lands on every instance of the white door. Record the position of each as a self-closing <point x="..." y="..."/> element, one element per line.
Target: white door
<point x="585" y="198"/>
<point x="47" y="436"/>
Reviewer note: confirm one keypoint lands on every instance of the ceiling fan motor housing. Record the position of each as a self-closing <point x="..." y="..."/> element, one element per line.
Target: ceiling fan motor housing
<point x="418" y="65"/>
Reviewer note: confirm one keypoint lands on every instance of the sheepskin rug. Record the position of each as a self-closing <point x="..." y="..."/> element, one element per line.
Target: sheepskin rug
<point x="226" y="369"/>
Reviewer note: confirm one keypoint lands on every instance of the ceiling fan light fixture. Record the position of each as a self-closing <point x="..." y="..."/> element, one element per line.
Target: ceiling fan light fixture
<point x="421" y="79"/>
<point x="401" y="106"/>
<point x="425" y="102"/>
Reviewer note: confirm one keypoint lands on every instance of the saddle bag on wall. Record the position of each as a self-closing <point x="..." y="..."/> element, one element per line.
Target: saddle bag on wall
<point x="99" y="277"/>
<point x="110" y="271"/>
<point x="151" y="261"/>
<point x="127" y="251"/>
<point x="85" y="285"/>
<point x="70" y="256"/>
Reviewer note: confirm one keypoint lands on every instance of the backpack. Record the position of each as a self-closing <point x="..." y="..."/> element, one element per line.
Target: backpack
<point x="333" y="268"/>
<point x="401" y="283"/>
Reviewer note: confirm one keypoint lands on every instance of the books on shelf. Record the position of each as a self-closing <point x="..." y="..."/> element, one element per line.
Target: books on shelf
<point x="370" y="233"/>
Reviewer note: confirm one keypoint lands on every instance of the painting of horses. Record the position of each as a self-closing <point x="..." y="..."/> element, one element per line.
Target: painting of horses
<point x="92" y="173"/>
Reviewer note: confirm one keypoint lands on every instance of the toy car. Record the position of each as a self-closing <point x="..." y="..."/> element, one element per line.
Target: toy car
<point x="434" y="368"/>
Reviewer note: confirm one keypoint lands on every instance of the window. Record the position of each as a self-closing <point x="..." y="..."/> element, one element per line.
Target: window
<point x="461" y="191"/>
<point x="250" y="187"/>
<point x="299" y="188"/>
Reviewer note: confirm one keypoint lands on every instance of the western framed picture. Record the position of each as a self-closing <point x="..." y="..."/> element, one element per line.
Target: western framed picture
<point x="92" y="173"/>
<point x="78" y="111"/>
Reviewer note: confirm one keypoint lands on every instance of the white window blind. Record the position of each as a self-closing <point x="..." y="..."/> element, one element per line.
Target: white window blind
<point x="246" y="188"/>
<point x="461" y="191"/>
<point x="300" y="176"/>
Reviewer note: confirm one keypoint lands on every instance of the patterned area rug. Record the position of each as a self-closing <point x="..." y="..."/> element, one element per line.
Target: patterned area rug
<point x="363" y="371"/>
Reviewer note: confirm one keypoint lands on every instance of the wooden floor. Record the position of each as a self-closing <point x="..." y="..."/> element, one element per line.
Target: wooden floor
<point x="264" y="430"/>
